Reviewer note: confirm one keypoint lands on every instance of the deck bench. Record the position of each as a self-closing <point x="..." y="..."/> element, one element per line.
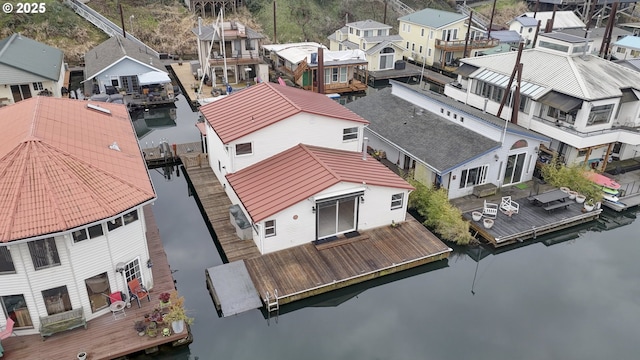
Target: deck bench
<point x="485" y="190"/>
<point x="63" y="321"/>
<point x="565" y="204"/>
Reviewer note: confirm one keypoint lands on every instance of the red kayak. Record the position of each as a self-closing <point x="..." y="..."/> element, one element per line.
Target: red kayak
<point x="603" y="181"/>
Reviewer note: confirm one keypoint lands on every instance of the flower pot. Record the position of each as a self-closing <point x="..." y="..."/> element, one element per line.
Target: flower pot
<point x="589" y="207"/>
<point x="476" y="215"/>
<point x="580" y="198"/>
<point x="82" y="355"/>
<point x="598" y="204"/>
<point x="572" y="194"/>
<point x="564" y="189"/>
<point x="488" y="223"/>
<point x="177" y="326"/>
<point x="141" y="333"/>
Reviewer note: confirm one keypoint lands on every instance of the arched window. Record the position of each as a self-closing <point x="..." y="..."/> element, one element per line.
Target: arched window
<point x="519" y="144"/>
<point x="386" y="58"/>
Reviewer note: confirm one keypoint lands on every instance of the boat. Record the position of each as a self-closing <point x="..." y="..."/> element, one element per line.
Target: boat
<point x="603" y="181"/>
<point x="216" y="94"/>
<point x="611" y="198"/>
<point x="610" y="191"/>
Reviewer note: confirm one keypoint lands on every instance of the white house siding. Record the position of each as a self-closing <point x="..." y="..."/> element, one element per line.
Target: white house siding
<point x="299" y="129"/>
<point x="124" y="67"/>
<point x="78" y="262"/>
<point x="374" y="212"/>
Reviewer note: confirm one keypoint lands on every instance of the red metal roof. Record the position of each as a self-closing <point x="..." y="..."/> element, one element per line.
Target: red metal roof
<point x="293" y="175"/>
<point x="263" y="104"/>
<point x="57" y="171"/>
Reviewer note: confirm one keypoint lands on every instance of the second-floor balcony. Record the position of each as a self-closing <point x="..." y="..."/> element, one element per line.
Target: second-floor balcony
<point x="458" y="45"/>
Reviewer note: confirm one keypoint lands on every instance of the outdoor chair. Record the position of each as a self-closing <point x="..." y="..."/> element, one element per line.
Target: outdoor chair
<point x="8" y="330"/>
<point x="490" y="210"/>
<point x="509" y="207"/>
<point x="137" y="291"/>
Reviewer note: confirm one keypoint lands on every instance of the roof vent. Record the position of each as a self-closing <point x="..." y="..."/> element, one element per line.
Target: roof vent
<point x="114" y="146"/>
<point x="99" y="108"/>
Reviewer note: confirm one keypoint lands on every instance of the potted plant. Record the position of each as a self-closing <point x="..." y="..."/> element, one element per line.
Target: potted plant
<point x="164" y="299"/>
<point x="152" y="330"/>
<point x="488" y="223"/>
<point x="476" y="215"/>
<point x="177" y="314"/>
<point x="589" y="205"/>
<point x="157" y="316"/>
<point x="140" y="327"/>
<point x="572" y="194"/>
<point x="82" y="355"/>
<point x="580" y="198"/>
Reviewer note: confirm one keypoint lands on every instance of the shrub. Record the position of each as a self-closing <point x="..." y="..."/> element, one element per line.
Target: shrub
<point x="571" y="176"/>
<point x="439" y="214"/>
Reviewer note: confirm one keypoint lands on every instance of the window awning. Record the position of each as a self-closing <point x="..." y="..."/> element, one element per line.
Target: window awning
<point x="628" y="96"/>
<point x="153" y="77"/>
<point x="560" y="101"/>
<point x="465" y="70"/>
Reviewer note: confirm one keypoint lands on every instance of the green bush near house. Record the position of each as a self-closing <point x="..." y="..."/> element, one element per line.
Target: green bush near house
<point x="571" y="176"/>
<point x="442" y="217"/>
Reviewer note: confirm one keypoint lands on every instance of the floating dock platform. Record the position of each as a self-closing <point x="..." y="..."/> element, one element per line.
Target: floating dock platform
<point x="307" y="270"/>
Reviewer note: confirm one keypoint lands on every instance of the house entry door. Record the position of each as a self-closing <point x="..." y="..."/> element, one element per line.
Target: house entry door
<point x="336" y="216"/>
<point x="513" y="172"/>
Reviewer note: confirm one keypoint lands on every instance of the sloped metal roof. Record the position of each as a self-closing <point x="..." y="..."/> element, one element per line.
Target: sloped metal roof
<point x="302" y="171"/>
<point x="57" y="170"/>
<point x="368" y="25"/>
<point x="629" y="41"/>
<point x="433" y="18"/>
<point x="114" y="50"/>
<point x="588" y="77"/>
<point x="28" y="55"/>
<point x="264" y="104"/>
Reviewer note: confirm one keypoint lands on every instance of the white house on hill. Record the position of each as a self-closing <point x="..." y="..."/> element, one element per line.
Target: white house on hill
<point x="71" y="216"/>
<point x="292" y="163"/>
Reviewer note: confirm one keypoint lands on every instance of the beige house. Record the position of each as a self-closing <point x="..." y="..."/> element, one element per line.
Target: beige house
<point x="381" y="48"/>
<point x="437" y="38"/>
<point x="29" y="68"/>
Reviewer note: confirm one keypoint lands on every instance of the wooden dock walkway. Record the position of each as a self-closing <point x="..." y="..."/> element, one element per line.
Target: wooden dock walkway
<point x="307" y="270"/>
<point x="106" y="338"/>
<point x="530" y="222"/>
<point x="189" y="84"/>
<point x="163" y="155"/>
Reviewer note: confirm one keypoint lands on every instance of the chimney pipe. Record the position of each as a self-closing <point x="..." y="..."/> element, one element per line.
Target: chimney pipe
<point x="199" y="25"/>
<point x="365" y="143"/>
<point x="586" y="45"/>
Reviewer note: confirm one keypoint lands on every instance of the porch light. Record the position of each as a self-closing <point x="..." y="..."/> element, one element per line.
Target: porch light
<point x="496" y="157"/>
<point x="313" y="209"/>
<point x="361" y="199"/>
<point x="149" y="264"/>
<point x="120" y="267"/>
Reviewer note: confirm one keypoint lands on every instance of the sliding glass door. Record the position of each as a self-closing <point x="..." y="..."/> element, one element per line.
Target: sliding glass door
<point x="336" y="216"/>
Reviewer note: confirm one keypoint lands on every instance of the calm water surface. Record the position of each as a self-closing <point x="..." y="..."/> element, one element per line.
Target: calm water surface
<point x="578" y="299"/>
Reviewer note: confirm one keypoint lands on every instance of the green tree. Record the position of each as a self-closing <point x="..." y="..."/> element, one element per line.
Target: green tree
<point x="571" y="176"/>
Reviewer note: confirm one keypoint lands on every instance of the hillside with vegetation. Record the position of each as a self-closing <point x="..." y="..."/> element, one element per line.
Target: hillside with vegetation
<point x="166" y="25"/>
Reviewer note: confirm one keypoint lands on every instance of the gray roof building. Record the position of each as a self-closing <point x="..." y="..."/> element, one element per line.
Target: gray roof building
<point x="20" y="52"/>
<point x="438" y="142"/>
<point x="433" y="18"/>
<point x="111" y="51"/>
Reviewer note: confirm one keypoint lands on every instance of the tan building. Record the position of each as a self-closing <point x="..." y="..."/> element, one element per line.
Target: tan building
<point x="437" y="38"/>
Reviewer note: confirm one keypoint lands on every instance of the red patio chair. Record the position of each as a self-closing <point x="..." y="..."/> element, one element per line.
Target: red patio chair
<point x="137" y="291"/>
<point x="8" y="330"/>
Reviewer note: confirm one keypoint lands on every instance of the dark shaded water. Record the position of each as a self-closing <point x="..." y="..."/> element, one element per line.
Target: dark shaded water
<point x="578" y="299"/>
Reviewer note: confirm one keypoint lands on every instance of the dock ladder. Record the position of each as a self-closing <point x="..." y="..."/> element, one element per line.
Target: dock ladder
<point x="272" y="305"/>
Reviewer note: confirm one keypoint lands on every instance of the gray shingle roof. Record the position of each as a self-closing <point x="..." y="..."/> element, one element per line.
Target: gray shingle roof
<point x="368" y="24"/>
<point x="113" y="50"/>
<point x="588" y="78"/>
<point x="438" y="142"/>
<point x="207" y="32"/>
<point x="382" y="45"/>
<point x="433" y="18"/>
<point x="28" y="55"/>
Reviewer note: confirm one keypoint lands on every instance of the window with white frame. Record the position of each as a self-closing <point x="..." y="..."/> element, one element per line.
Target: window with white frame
<point x="350" y="133"/>
<point x="37" y="86"/>
<point x="396" y="201"/>
<point x="244" y="149"/>
<point x="429" y="52"/>
<point x="87" y="233"/>
<point x="357" y="32"/>
<point x="130" y="217"/>
<point x="474" y="176"/>
<point x="431" y="34"/>
<point x="132" y="270"/>
<point x="114" y="223"/>
<point x="327" y="76"/>
<point x="600" y="114"/>
<point x="44" y="253"/>
<point x="422" y="32"/>
<point x="6" y="261"/>
<point x="334" y="74"/>
<point x="269" y="228"/>
<point x="343" y="74"/>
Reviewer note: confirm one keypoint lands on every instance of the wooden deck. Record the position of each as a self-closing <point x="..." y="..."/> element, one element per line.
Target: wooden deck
<point x="309" y="270"/>
<point x="215" y="204"/>
<point x="530" y="222"/>
<point x="188" y="83"/>
<point x="106" y="338"/>
<point x="155" y="156"/>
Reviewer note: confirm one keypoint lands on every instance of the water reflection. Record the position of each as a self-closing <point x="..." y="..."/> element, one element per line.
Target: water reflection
<point x="147" y="120"/>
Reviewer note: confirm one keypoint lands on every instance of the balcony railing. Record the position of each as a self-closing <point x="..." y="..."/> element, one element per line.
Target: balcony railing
<point x="458" y="45"/>
<point x="570" y="129"/>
